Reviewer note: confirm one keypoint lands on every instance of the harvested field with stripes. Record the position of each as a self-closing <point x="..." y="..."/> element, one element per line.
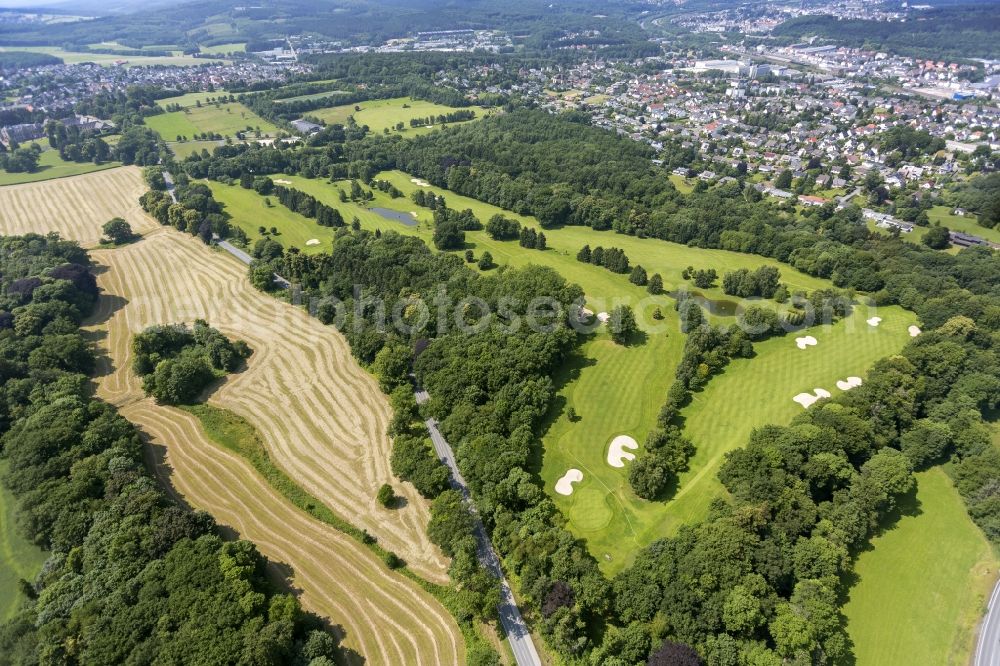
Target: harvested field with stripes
<point x="76" y="207"/>
<point x="321" y="416"/>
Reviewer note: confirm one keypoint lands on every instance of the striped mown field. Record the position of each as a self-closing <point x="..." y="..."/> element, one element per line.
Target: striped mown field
<point x="75" y="207"/>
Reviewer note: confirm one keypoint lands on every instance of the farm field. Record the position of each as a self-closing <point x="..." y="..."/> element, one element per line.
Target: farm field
<point x="19" y="558"/>
<point x="188" y="100"/>
<point x="50" y="166"/>
<point x="76" y="207"/>
<point x="325" y="428"/>
<point x="919" y="590"/>
<point x="109" y="59"/>
<point x="225" y="119"/>
<point x="223" y="49"/>
<point x="381" y="114"/>
<point x="387" y="618"/>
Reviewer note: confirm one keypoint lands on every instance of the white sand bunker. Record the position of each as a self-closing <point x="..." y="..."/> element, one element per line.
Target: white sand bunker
<point x="807" y="341"/>
<point x="617" y="455"/>
<point x="564" y="486"/>
<point x="807" y="399"/>
<point x="603" y="317"/>
<point x="312" y="241"/>
<point x="282" y="181"/>
<point x="420" y="182"/>
<point x="875" y="321"/>
<point x="849" y="383"/>
<point x="914" y="331"/>
<point x="414" y="214"/>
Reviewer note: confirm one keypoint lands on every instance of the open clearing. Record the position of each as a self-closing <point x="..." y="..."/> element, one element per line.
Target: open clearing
<point x="225" y="119"/>
<point x="322" y="417"/>
<point x="920" y="589"/>
<point x="190" y="100"/>
<point x="382" y="114"/>
<point x="75" y="207"/>
<point x="51" y="166"/>
<point x="19" y="558"/>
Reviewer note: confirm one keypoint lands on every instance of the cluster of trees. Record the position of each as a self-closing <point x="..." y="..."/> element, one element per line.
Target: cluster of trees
<point x="981" y="194"/>
<point x="612" y="258"/>
<point x="908" y="143"/>
<point x="451" y="117"/>
<point x="117" y="231"/>
<point x="196" y="211"/>
<point x="703" y="278"/>
<point x="428" y="199"/>
<point x="21" y="159"/>
<point x="77" y="146"/>
<point x="531" y="239"/>
<point x="387" y="187"/>
<point x="131" y="574"/>
<point x="450" y="227"/>
<point x="744" y="283"/>
<point x="308" y="206"/>
<point x="500" y="227"/>
<point x="177" y="363"/>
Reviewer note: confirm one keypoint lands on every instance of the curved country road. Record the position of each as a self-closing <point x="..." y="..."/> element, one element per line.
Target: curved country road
<point x="988" y="645"/>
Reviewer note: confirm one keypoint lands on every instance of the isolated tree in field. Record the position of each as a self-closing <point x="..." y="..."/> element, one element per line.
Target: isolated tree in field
<point x="386" y="496"/>
<point x="622" y="324"/>
<point x="117" y="231"/>
<point x="572" y="415"/>
<point x="655" y="285"/>
<point x="486" y="261"/>
<point x="584" y="254"/>
<point x="470" y="257"/>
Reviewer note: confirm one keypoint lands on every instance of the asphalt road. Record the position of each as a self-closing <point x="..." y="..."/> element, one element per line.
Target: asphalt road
<point x="988" y="646"/>
<point x="513" y="623"/>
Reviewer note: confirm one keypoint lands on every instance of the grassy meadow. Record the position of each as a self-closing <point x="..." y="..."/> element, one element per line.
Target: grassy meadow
<point x="918" y="593"/>
<point x="184" y="149"/>
<point x="225" y="119"/>
<point x="110" y="59"/>
<point x="383" y="114"/>
<point x="18" y="557"/>
<point x="50" y="166"/>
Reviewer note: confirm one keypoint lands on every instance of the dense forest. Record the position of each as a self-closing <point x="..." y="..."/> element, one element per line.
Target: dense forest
<point x="133" y="577"/>
<point x="969" y="31"/>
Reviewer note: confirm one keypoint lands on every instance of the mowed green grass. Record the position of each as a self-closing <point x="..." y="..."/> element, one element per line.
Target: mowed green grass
<point x="225" y="119"/>
<point x="922" y="586"/>
<point x="382" y="114"/>
<point x="183" y="149"/>
<point x="249" y="213"/>
<point x="188" y="100"/>
<point x="18" y="557"/>
<point x="966" y="224"/>
<point x="50" y="166"/>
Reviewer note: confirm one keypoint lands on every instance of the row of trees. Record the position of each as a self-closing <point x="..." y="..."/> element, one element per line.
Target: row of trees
<point x="612" y="258"/>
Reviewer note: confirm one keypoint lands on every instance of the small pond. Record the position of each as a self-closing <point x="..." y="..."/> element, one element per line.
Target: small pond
<point x="395" y="215"/>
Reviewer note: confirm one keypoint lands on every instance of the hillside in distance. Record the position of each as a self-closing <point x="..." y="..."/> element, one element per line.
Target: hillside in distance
<point x="353" y="21"/>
